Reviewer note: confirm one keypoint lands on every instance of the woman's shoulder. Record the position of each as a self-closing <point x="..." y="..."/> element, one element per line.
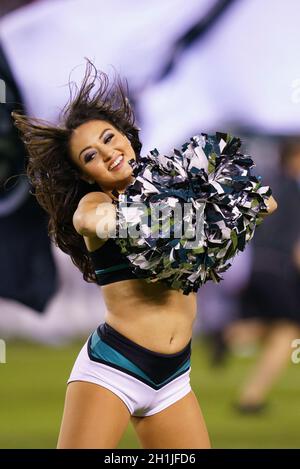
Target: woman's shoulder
<point x="96" y="196"/>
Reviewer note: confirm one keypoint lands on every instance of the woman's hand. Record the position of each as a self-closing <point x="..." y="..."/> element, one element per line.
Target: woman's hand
<point x="271" y="205"/>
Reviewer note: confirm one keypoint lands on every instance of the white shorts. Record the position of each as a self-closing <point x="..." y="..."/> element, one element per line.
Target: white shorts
<point x="146" y="381"/>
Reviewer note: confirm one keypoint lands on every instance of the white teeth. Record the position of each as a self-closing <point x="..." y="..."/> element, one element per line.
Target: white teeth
<point x="120" y="158"/>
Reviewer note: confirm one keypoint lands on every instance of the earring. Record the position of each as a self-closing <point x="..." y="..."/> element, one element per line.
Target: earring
<point x="91" y="182"/>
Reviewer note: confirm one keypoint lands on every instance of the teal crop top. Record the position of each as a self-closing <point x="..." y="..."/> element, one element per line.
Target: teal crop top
<point x="110" y="265"/>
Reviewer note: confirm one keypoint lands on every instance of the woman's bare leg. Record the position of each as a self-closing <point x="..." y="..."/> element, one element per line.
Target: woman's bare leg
<point x="181" y="425"/>
<point x="94" y="417"/>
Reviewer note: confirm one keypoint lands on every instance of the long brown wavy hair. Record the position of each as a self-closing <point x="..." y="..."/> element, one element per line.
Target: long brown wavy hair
<point x="55" y="179"/>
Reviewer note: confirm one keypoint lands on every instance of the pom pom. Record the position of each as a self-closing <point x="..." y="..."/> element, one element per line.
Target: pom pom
<point x="188" y="213"/>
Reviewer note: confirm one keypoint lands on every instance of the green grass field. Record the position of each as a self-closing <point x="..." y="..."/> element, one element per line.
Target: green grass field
<point x="33" y="382"/>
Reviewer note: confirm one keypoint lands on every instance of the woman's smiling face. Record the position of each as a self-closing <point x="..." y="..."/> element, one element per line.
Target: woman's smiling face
<point x="94" y="147"/>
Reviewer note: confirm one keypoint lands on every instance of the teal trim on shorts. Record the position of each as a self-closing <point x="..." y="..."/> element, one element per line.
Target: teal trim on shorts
<point x="105" y="352"/>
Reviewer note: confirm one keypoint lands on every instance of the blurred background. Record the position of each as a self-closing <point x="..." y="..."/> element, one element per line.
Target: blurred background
<point x="192" y="66"/>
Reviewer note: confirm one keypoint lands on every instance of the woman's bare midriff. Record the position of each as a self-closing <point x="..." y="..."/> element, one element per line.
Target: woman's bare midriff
<point x="152" y="315"/>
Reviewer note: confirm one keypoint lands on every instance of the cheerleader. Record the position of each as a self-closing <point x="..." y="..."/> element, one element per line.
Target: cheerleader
<point x="136" y="365"/>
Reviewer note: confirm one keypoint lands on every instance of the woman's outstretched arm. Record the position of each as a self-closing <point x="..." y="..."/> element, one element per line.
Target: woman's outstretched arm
<point x="95" y="215"/>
